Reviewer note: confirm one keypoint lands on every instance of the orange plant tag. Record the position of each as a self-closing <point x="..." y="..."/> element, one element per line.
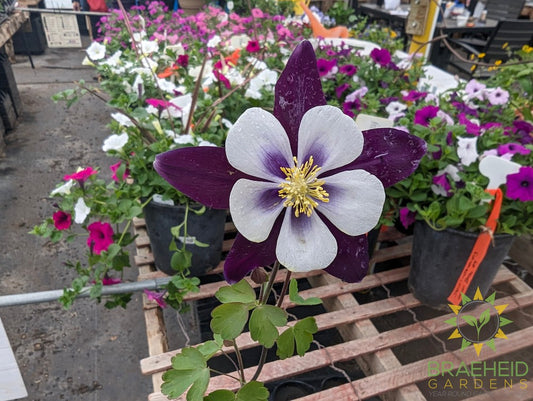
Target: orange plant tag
<point x="479" y="251"/>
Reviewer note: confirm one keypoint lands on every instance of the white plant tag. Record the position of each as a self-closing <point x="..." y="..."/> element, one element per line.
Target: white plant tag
<point x="496" y="169"/>
<point x="366" y="121"/>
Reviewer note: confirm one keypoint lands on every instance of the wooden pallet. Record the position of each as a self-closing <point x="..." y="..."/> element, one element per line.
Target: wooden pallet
<point x="374" y="351"/>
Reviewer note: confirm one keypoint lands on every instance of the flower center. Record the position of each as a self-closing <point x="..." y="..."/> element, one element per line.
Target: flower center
<point x="301" y="188"/>
<point x="524" y="184"/>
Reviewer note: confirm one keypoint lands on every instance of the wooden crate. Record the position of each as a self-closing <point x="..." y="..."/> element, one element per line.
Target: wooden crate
<point x="361" y="328"/>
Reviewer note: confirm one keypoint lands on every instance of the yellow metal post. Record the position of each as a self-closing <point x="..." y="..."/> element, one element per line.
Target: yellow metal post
<point x="415" y="22"/>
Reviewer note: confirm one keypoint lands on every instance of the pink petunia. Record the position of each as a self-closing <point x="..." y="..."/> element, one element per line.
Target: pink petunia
<point x="62" y="220"/>
<point x="157" y="297"/>
<point x="253" y="46"/>
<point x="81" y="176"/>
<point x="100" y="237"/>
<point x="111" y="280"/>
<point x="114" y="168"/>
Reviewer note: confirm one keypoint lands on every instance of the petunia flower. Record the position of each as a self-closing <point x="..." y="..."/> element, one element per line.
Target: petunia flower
<point x="122" y="119"/>
<point x="413" y="96"/>
<point x="81" y="211"/>
<point x="157" y="297"/>
<point x="424" y="115"/>
<point x="441" y="185"/>
<point x="341" y="89"/>
<point x="394" y="108"/>
<point x="114" y="168"/>
<point x="348" y="69"/>
<point x="303" y="185"/>
<point x="107" y="280"/>
<point x="183" y="60"/>
<point x="467" y="150"/>
<point x="81" y="175"/>
<point x="471" y="127"/>
<point x="520" y="185"/>
<point x="381" y="56"/>
<point x="100" y="237"/>
<point x="63" y="189"/>
<point x="96" y="51"/>
<point x="523" y="130"/>
<point x="512" y="149"/>
<point x="115" y="142"/>
<point x="253" y="46"/>
<point x="326" y="67"/>
<point x="407" y="217"/>
<point x="498" y="96"/>
<point x="475" y="90"/>
<point x="62" y="220"/>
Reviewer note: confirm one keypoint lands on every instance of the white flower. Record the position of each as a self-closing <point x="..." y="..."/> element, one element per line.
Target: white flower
<point x="452" y="171"/>
<point x="138" y="36"/>
<point x="114" y="60"/>
<point x="183" y="107"/>
<point x="81" y="211"/>
<point x="203" y="142"/>
<point x="87" y="62"/>
<point x="181" y="139"/>
<point x="214" y="41"/>
<point x="445" y="117"/>
<point x="238" y="41"/>
<point x="138" y="85"/>
<point x="467" y="150"/>
<point x="394" y="108"/>
<point x="115" y="142"/>
<point x="159" y="199"/>
<point x="122" y="119"/>
<point x="96" y="51"/>
<point x="148" y="46"/>
<point x="265" y="79"/>
<point x="166" y="85"/>
<point x="227" y="123"/>
<point x="63" y="189"/>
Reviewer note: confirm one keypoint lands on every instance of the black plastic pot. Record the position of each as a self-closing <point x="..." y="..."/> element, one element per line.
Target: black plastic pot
<point x="438" y="258"/>
<point x="206" y="228"/>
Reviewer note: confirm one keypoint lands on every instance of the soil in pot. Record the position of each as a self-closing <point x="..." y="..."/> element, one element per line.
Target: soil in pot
<point x="438" y="258"/>
<point x="207" y="228"/>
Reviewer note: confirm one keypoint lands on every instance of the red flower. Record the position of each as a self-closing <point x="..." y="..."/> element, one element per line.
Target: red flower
<point x="183" y="60"/>
<point x="62" y="220"/>
<point x="100" y="236"/>
<point x="81" y="176"/>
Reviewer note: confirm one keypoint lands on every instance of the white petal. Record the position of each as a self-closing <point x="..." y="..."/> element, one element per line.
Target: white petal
<point x="258" y="145"/>
<point x="115" y="142"/>
<point x="81" y="211"/>
<point x="63" y="189"/>
<point x="330" y="136"/>
<point x="467" y="150"/>
<point x="305" y="243"/>
<point x="254" y="207"/>
<point x="356" y="200"/>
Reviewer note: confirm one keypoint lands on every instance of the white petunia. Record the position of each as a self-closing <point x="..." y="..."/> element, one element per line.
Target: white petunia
<point x="115" y="142"/>
<point x="467" y="150"/>
<point x="63" y="189"/>
<point x="183" y="107"/>
<point x="148" y="46"/>
<point x="214" y="41"/>
<point x="394" y="108"/>
<point x="96" y="51"/>
<point x="122" y="119"/>
<point x="81" y="211"/>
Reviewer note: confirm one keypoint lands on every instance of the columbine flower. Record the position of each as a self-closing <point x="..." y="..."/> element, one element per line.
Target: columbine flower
<point x="96" y="51"/>
<point x="467" y="150"/>
<point x="63" y="189"/>
<point x="81" y="175"/>
<point x="81" y="211"/>
<point x="498" y="96"/>
<point x="520" y="185"/>
<point x="115" y="142"/>
<point x="299" y="193"/>
<point x="100" y="237"/>
<point x="381" y="56"/>
<point x="424" y="115"/>
<point x="157" y="297"/>
<point x="62" y="220"/>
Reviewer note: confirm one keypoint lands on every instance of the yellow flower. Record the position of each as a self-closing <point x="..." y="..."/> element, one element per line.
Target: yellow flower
<point x="472" y="57"/>
<point x="473" y="67"/>
<point x="497" y="62"/>
<point x="481" y="55"/>
<point x="527" y="49"/>
<point x="504" y="46"/>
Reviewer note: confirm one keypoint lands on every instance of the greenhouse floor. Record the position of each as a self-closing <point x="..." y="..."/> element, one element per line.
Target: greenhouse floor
<point x="87" y="352"/>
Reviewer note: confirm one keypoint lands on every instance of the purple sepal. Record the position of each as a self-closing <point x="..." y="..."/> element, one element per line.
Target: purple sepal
<point x="202" y="173"/>
<point x="389" y="154"/>
<point x="244" y="256"/>
<point x="298" y="89"/>
<point x="351" y="263"/>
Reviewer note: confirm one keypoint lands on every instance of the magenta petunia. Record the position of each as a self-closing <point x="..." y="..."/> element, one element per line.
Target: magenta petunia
<point x="100" y="237"/>
<point x="81" y="176"/>
<point x="520" y="185"/>
<point x="183" y="60"/>
<point x="513" y="148"/>
<point x="157" y="297"/>
<point x="114" y="168"/>
<point x="424" y="115"/>
<point x="107" y="280"/>
<point x="62" y="220"/>
<point x="471" y="127"/>
<point x="348" y="69"/>
<point x="158" y="103"/>
<point x="524" y="131"/>
<point x="441" y="185"/>
<point x="253" y="46"/>
<point x="253" y="174"/>
<point x="325" y="66"/>
<point x="341" y="89"/>
<point x="413" y="96"/>
<point x="381" y="56"/>
<point x="407" y="217"/>
<point x="222" y="78"/>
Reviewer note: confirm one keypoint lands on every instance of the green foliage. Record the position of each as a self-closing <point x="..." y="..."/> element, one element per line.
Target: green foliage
<point x="240" y="292"/>
<point x="252" y="391"/>
<point x="189" y="369"/>
<point x="300" y="334"/>
<point x="295" y="297"/>
<point x="263" y="323"/>
<point x="229" y="319"/>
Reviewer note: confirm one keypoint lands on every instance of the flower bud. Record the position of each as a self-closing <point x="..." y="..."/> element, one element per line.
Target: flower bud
<point x="259" y="275"/>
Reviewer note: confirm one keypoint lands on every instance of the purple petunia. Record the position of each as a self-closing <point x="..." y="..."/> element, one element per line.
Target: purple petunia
<point x="348" y="69"/>
<point x="498" y="96"/>
<point x="413" y="96"/>
<point x="512" y="148"/>
<point x="325" y="67"/>
<point x="520" y="185"/>
<point x="303" y="184"/>
<point x="407" y="217"/>
<point x="381" y="57"/>
<point x="424" y="115"/>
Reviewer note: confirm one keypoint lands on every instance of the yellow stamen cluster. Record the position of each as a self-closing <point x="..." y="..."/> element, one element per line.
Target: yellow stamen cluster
<point x="301" y="188"/>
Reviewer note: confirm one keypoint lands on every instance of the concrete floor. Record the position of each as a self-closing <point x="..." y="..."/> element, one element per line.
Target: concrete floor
<point x="87" y="352"/>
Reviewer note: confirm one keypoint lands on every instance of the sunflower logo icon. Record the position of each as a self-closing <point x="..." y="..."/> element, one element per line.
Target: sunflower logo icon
<point x="484" y="321"/>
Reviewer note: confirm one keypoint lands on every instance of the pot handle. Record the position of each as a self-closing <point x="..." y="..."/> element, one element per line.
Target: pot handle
<point x="479" y="250"/>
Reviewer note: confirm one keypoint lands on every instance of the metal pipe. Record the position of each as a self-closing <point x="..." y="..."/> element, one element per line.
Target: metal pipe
<point x="49" y="296"/>
<point x="60" y="11"/>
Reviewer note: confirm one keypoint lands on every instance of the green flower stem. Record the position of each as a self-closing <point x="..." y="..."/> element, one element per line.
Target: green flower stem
<point x="218" y="372"/>
<point x="240" y="361"/>
<point x="270" y="284"/>
<point x="284" y="289"/>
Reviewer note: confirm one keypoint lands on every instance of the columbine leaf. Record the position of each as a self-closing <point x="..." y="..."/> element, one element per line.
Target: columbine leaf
<point x="229" y="319"/>
<point x="471" y="320"/>
<point x="239" y="292"/>
<point x="252" y="391"/>
<point x="189" y="369"/>
<point x="220" y="395"/>
<point x="285" y="344"/>
<point x="303" y="334"/>
<point x="209" y="348"/>
<point x="297" y="299"/>
<point x="263" y="324"/>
